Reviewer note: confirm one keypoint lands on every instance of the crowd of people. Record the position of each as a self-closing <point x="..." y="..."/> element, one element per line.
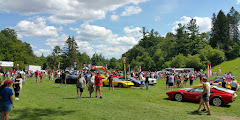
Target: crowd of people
<point x="92" y="81"/>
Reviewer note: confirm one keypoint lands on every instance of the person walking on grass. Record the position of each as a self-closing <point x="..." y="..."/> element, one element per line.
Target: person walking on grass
<point x="171" y="82"/>
<point x="81" y="84"/>
<point x="191" y="78"/>
<point x="17" y="85"/>
<point x="63" y="78"/>
<point x="110" y="78"/>
<point x="6" y="96"/>
<point x="98" y="80"/>
<point x="147" y="81"/>
<point x="167" y="79"/>
<point x="205" y="97"/>
<point x="141" y="80"/>
<point x="90" y="84"/>
<point x="41" y="75"/>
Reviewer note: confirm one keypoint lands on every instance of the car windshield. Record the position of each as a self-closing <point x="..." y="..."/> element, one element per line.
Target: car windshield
<point x="196" y="90"/>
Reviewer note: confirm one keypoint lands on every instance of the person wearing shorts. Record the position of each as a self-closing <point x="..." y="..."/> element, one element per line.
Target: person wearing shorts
<point x="81" y="84"/>
<point x="141" y="80"/>
<point x="6" y="95"/>
<point x="98" y="79"/>
<point x="17" y="84"/>
<point x="205" y="96"/>
<point x="171" y="82"/>
<point x="90" y="84"/>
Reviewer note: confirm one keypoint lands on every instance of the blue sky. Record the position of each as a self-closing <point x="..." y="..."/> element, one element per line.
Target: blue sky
<point x="108" y="27"/>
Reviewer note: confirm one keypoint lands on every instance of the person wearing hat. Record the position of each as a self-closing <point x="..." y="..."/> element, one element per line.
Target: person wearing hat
<point x="6" y="96"/>
<point x="205" y="96"/>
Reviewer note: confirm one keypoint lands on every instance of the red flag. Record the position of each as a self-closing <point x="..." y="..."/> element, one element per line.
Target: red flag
<point x="208" y="70"/>
<point x="219" y="68"/>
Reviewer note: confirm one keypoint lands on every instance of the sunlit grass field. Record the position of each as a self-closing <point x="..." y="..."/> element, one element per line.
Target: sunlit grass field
<point x="47" y="101"/>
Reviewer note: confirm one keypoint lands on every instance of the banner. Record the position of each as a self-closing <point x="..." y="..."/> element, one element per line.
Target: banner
<point x="124" y="60"/>
<point x="75" y="65"/>
<point x="174" y="70"/>
<point x="219" y="68"/>
<point x="17" y="66"/>
<point x="208" y="70"/>
<point x="139" y="69"/>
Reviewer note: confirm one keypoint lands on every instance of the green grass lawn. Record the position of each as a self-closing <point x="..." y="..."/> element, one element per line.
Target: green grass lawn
<point x="47" y="101"/>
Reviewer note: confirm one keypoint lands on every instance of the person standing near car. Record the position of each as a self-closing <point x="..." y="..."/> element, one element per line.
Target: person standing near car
<point x="191" y="78"/>
<point x="98" y="80"/>
<point x="167" y="79"/>
<point x="63" y="78"/>
<point x="171" y="82"/>
<point x="81" y="84"/>
<point x="110" y="78"/>
<point x="7" y="103"/>
<point x="141" y="80"/>
<point x="224" y="83"/>
<point x="205" y="96"/>
<point x="147" y="81"/>
<point x="233" y="85"/>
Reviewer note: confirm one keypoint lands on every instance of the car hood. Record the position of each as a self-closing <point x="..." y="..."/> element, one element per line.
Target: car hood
<point x="224" y="90"/>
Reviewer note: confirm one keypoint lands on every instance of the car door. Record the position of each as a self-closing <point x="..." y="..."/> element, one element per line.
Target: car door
<point x="192" y="94"/>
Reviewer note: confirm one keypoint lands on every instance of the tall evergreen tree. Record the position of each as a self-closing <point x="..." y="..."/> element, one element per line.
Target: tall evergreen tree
<point x="220" y="32"/>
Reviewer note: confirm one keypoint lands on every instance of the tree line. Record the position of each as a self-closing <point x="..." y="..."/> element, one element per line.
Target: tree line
<point x="186" y="48"/>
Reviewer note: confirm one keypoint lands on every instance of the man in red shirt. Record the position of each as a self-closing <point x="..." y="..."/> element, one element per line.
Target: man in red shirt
<point x="98" y="79"/>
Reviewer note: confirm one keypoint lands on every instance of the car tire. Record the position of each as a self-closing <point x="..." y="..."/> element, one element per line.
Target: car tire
<point x="120" y="85"/>
<point x="178" y="97"/>
<point x="217" y="101"/>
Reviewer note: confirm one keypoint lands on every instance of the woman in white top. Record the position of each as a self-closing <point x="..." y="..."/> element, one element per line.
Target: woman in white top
<point x="90" y="84"/>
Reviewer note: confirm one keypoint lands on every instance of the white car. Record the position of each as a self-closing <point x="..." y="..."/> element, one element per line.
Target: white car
<point x="152" y="81"/>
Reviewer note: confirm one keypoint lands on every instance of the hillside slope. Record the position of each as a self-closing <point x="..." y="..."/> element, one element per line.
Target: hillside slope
<point x="228" y="66"/>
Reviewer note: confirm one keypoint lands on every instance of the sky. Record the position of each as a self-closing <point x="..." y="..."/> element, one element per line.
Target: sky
<point x="107" y="27"/>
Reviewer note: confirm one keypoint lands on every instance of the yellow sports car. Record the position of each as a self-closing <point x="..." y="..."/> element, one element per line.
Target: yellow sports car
<point x="218" y="82"/>
<point x="215" y="84"/>
<point x="117" y="82"/>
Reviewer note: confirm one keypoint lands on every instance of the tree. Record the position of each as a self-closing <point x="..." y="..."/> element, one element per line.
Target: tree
<point x="70" y="52"/>
<point x="233" y="19"/>
<point x="220" y="32"/>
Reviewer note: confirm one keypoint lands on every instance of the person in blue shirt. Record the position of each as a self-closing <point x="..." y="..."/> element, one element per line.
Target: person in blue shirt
<point x="6" y="96"/>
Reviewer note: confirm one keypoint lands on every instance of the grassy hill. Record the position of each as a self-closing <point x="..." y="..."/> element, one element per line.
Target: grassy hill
<point x="228" y="66"/>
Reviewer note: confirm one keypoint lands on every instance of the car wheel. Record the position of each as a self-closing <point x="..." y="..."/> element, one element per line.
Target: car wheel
<point x="178" y="97"/>
<point x="217" y="101"/>
<point x="120" y="85"/>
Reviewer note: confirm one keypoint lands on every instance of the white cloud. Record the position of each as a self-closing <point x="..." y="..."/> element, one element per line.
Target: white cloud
<point x="92" y="38"/>
<point x="238" y="1"/>
<point x="131" y="31"/>
<point x="33" y="46"/>
<point x="39" y="52"/>
<point x="66" y="11"/>
<point x="36" y="28"/>
<point x="114" y="17"/>
<point x="59" y="41"/>
<point x="131" y="10"/>
<point x="204" y="23"/>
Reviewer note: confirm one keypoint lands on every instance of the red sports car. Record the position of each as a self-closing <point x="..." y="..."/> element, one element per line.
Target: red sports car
<point x="218" y="96"/>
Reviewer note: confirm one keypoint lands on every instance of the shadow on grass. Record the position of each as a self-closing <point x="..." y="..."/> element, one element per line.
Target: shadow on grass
<point x="76" y="97"/>
<point x="37" y="113"/>
<point x="227" y="106"/>
<point x="194" y="113"/>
